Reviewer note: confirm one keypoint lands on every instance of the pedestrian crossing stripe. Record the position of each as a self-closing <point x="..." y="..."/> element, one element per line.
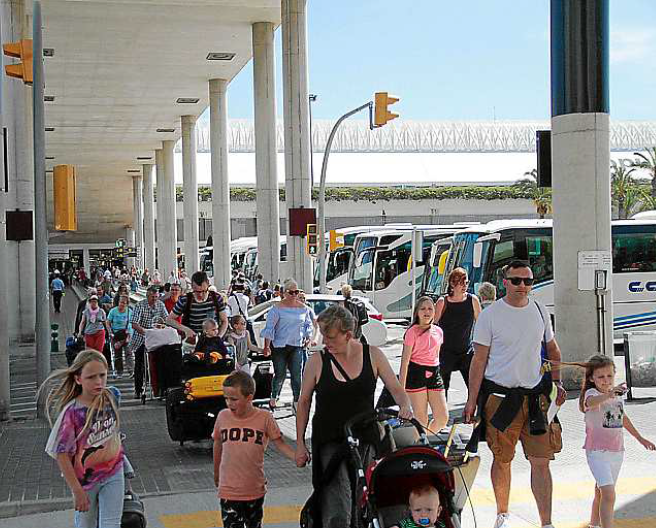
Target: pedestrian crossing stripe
<point x="481" y="497"/>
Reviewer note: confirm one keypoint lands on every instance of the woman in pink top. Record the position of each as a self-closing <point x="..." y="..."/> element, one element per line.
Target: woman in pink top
<point x="420" y="366"/>
<point x="605" y="421"/>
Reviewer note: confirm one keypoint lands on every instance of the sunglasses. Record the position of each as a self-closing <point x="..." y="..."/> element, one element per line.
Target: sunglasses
<point x="293" y="292"/>
<point x="516" y="281"/>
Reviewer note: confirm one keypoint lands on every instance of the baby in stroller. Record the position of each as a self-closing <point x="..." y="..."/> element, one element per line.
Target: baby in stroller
<point x="425" y="509"/>
<point x="210" y="346"/>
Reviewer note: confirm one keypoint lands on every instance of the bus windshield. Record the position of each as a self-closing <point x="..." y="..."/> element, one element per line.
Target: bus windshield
<point x="391" y="263"/>
<point x="361" y="274"/>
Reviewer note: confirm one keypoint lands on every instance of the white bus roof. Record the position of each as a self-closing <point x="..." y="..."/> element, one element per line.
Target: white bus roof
<point x="519" y="223"/>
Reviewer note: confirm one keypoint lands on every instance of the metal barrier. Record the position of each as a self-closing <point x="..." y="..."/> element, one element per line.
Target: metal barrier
<point x="640" y="360"/>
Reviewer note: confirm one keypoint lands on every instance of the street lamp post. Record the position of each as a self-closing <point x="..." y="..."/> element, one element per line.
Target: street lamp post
<point x="312" y="98"/>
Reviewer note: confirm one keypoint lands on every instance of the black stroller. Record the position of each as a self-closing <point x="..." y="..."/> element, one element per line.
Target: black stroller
<point x="383" y="488"/>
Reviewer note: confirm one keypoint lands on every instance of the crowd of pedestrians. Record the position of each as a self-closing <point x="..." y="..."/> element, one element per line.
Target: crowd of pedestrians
<point x="505" y="351"/>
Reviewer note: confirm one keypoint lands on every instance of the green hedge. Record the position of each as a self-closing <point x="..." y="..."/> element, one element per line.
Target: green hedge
<point x="373" y="194"/>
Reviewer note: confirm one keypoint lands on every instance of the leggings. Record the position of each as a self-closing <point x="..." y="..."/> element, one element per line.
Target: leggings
<point x="450" y="363"/>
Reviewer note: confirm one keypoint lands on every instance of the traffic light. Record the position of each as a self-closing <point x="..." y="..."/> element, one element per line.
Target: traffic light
<point x="21" y="50"/>
<point x="382" y="102"/>
<point x="64" y="198"/>
<point x="336" y="240"/>
<point x="311" y="243"/>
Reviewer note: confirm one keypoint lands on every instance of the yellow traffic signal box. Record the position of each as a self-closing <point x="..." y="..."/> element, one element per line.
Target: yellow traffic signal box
<point x="336" y="240"/>
<point x="382" y="102"/>
<point x="21" y="50"/>
<point x="64" y="198"/>
<point x="311" y="242"/>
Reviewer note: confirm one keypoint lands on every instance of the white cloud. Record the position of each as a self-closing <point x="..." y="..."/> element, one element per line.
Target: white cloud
<point x="632" y="45"/>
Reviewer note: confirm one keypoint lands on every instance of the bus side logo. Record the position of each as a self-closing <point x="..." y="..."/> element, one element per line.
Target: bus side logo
<point x="637" y="287"/>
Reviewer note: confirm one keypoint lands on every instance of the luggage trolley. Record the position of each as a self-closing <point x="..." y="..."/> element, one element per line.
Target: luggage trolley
<point x="162" y="346"/>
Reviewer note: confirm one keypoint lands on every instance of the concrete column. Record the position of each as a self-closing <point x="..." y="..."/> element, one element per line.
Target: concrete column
<point x="17" y="118"/>
<point x="149" y="219"/>
<point x="190" y="188"/>
<point x="137" y="222"/>
<point x="268" y="216"/>
<point x="130" y="239"/>
<point x="220" y="186"/>
<point x="580" y="166"/>
<point x="297" y="131"/>
<point x="166" y="225"/>
<point x="86" y="261"/>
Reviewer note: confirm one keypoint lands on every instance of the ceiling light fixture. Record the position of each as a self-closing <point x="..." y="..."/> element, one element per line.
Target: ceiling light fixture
<point x="48" y="52"/>
<point x="220" y="56"/>
<point x="50" y="157"/>
<point x="168" y="130"/>
<point x="187" y="100"/>
<point x="50" y="129"/>
<point x="49" y="98"/>
<point x="144" y="157"/>
<point x="134" y="171"/>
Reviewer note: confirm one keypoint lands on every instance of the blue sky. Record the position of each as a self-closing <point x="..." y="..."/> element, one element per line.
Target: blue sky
<point x="456" y="60"/>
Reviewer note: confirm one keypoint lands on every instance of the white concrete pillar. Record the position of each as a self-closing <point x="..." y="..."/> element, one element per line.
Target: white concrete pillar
<point x="167" y="242"/>
<point x="86" y="261"/>
<point x="130" y="239"/>
<point x="220" y="186"/>
<point x="190" y="191"/>
<point x="268" y="217"/>
<point x="149" y="219"/>
<point x="297" y="131"/>
<point x="159" y="211"/>
<point x="137" y="219"/>
<point x="17" y="118"/>
<point x="581" y="198"/>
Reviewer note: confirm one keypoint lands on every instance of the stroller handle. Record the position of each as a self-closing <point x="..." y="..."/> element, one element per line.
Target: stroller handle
<point x="378" y="415"/>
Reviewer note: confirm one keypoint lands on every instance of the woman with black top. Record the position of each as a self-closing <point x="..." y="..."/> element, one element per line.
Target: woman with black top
<point x="456" y="314"/>
<point x="344" y="378"/>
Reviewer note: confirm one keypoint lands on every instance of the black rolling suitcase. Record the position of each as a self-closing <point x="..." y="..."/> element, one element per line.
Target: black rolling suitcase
<point x="263" y="376"/>
<point x="134" y="514"/>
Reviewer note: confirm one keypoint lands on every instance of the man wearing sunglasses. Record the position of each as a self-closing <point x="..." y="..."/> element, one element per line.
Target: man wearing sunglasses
<point x="512" y="339"/>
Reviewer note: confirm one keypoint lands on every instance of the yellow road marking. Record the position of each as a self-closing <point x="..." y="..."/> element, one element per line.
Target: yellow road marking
<point x="289" y="514"/>
<point x="210" y="519"/>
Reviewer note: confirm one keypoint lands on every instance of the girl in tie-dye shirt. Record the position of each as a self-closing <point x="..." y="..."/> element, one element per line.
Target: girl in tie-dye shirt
<point x="85" y="440"/>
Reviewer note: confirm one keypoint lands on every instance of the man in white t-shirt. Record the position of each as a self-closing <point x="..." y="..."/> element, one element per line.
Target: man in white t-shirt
<point x="506" y="380"/>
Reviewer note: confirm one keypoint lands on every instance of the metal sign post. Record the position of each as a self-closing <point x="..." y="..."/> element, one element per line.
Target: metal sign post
<point x="417" y="256"/>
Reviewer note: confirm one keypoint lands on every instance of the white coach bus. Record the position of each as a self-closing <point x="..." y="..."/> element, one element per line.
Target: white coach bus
<point x="484" y="250"/>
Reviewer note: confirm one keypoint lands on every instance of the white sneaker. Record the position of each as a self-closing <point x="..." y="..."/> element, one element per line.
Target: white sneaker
<point x="503" y="521"/>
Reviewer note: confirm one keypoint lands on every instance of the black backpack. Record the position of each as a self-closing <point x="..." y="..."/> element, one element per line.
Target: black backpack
<point x="359" y="311"/>
<point x="216" y="299"/>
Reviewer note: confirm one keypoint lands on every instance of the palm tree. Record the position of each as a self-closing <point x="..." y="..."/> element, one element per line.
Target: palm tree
<point x="648" y="162"/>
<point x="541" y="196"/>
<point x="625" y="191"/>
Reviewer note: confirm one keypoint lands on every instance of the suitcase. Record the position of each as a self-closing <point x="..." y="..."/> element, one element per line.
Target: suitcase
<point x="191" y="419"/>
<point x="134" y="515"/>
<point x="204" y="387"/>
<point x="263" y="376"/>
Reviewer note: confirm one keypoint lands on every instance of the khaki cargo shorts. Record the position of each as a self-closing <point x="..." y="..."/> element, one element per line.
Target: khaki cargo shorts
<point x="502" y="444"/>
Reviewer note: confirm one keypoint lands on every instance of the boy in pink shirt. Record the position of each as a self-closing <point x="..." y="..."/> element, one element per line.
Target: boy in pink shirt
<point x="241" y="435"/>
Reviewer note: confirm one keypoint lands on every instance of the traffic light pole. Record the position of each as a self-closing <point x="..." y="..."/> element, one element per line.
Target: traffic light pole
<point x="321" y="228"/>
<point x="40" y="221"/>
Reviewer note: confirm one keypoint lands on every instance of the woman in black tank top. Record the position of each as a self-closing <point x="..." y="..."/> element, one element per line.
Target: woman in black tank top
<point x="456" y="314"/>
<point x="343" y="376"/>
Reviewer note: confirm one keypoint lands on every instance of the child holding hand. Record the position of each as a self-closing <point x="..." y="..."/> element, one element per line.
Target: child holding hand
<point x="241" y="435"/>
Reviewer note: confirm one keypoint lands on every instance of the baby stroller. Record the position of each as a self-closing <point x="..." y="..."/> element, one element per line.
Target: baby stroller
<point x="384" y="487"/>
<point x="163" y="359"/>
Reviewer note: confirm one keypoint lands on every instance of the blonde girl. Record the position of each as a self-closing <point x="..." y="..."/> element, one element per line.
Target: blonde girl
<point x="420" y="366"/>
<point x="605" y="421"/>
<point x="85" y="439"/>
<point x="241" y="340"/>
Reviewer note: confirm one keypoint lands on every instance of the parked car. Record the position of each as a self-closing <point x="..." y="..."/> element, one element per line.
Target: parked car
<point x="375" y="331"/>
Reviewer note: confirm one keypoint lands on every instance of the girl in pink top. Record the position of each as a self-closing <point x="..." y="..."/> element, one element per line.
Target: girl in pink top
<point x="420" y="366"/>
<point x="605" y="421"/>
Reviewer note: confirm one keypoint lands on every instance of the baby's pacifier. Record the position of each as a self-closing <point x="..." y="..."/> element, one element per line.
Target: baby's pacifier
<point x="424" y="521"/>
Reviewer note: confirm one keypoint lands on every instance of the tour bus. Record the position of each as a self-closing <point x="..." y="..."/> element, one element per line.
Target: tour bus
<point x="382" y="267"/>
<point x="484" y="250"/>
<point x="238" y="249"/>
<point x="339" y="261"/>
<point x="434" y="269"/>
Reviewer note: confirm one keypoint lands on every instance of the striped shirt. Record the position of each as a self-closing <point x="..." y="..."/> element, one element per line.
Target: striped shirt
<point x="144" y="315"/>
<point x="199" y="311"/>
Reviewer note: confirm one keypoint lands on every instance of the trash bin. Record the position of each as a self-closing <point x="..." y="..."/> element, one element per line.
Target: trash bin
<point x="640" y="359"/>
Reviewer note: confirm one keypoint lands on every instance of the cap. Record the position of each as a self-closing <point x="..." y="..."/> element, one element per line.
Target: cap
<point x="93" y="297"/>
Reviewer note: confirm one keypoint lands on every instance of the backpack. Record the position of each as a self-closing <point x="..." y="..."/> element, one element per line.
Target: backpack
<point x="263" y="296"/>
<point x="359" y="312"/>
<point x="190" y="300"/>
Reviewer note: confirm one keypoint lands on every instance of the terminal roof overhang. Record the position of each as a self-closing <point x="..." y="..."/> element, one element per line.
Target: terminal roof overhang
<point x="118" y="69"/>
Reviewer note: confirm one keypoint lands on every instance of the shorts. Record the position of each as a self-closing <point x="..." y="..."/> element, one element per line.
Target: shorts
<point x="421" y="378"/>
<point x="242" y="514"/>
<point x="502" y="444"/>
<point x="605" y="466"/>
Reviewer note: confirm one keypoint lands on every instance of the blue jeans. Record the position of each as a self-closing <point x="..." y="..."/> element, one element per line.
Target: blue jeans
<point x="288" y="357"/>
<point x="105" y="504"/>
